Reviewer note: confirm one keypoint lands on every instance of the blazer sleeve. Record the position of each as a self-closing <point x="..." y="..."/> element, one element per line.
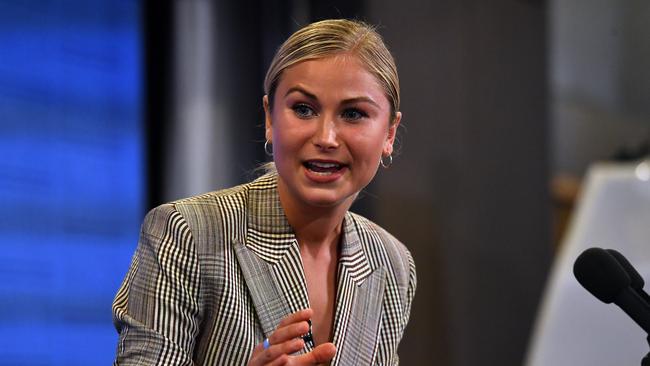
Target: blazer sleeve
<point x="410" y="291"/>
<point x="156" y="309"/>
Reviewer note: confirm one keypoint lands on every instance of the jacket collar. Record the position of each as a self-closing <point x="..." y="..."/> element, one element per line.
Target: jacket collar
<point x="271" y="237"/>
<point x="271" y="264"/>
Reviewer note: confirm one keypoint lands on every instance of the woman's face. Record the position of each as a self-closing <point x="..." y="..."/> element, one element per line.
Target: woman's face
<point x="329" y="126"/>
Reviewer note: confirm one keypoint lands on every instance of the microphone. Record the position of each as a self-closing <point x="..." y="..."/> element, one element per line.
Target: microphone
<point x="601" y="273"/>
<point x="637" y="282"/>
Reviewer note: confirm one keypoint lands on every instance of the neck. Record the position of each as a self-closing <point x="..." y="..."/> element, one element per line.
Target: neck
<point x="316" y="227"/>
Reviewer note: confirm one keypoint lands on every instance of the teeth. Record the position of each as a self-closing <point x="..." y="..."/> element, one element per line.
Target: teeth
<point x="325" y="165"/>
<point x="322" y="168"/>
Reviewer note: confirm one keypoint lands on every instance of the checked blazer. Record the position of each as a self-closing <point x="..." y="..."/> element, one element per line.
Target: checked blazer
<point x="214" y="274"/>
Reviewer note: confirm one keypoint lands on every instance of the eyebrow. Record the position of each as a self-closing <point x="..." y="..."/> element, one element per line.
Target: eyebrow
<point x="312" y="96"/>
<point x="301" y="91"/>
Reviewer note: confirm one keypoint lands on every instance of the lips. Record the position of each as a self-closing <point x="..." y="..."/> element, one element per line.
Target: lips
<point x="323" y="167"/>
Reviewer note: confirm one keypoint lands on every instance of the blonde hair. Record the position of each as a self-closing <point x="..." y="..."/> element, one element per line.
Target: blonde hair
<point x="332" y="37"/>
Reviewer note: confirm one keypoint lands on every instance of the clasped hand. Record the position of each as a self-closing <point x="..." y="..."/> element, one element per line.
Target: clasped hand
<point x="286" y="339"/>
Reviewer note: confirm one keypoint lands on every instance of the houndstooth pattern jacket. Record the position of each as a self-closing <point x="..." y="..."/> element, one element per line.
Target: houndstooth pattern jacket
<point x="214" y="274"/>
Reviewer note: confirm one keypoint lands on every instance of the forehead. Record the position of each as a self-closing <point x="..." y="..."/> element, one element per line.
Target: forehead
<point x="341" y="74"/>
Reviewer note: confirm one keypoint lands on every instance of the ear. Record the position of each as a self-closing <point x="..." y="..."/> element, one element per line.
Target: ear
<point x="267" y="119"/>
<point x="392" y="132"/>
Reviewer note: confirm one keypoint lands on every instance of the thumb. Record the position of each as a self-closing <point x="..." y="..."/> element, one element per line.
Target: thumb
<point x="321" y="354"/>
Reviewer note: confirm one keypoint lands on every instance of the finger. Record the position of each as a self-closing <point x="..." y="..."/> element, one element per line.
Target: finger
<point x="285" y="348"/>
<point x="258" y="361"/>
<point x="298" y="316"/>
<point x="263" y="356"/>
<point x="283" y="334"/>
<point x="286" y="331"/>
<point x="280" y="361"/>
<point x="321" y="354"/>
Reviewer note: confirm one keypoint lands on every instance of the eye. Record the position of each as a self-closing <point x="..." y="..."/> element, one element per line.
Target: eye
<point x="353" y="114"/>
<point x="303" y="111"/>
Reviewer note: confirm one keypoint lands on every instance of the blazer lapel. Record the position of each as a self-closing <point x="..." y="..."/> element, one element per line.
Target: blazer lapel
<point x="276" y="288"/>
<point x="272" y="268"/>
<point x="270" y="258"/>
<point x="359" y="301"/>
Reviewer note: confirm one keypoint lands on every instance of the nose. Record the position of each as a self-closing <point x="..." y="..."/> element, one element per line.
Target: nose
<point x="326" y="136"/>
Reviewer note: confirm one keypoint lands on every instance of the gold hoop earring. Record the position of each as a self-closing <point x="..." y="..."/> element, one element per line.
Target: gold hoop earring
<point x="266" y="148"/>
<point x="386" y="165"/>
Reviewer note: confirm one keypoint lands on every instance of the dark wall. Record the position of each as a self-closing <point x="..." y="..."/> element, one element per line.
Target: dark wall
<point x="468" y="191"/>
<point x="468" y="194"/>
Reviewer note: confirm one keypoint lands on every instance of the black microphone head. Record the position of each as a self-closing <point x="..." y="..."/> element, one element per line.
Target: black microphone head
<point x="601" y="274"/>
<point x="637" y="281"/>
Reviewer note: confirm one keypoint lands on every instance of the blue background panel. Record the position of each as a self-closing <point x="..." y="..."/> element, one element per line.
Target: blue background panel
<point x="71" y="175"/>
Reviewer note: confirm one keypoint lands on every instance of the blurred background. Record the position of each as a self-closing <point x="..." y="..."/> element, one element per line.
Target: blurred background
<point x="111" y="107"/>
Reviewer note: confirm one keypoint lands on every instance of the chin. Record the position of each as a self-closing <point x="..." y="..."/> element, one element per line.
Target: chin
<point x="310" y="194"/>
<point x="325" y="199"/>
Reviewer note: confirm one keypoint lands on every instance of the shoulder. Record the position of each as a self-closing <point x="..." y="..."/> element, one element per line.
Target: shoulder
<point x="234" y="197"/>
<point x="206" y="215"/>
<point x="224" y="204"/>
<point x="188" y="210"/>
<point x="384" y="249"/>
<point x="375" y="236"/>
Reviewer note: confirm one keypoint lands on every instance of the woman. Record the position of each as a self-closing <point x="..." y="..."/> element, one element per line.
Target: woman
<point x="278" y="271"/>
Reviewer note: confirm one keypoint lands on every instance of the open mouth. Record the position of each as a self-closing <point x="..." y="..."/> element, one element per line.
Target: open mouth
<point x="322" y="167"/>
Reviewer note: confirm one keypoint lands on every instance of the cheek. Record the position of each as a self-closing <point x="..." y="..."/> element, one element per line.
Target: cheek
<point x="367" y="146"/>
<point x="283" y="129"/>
<point x="287" y="140"/>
